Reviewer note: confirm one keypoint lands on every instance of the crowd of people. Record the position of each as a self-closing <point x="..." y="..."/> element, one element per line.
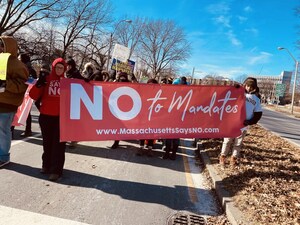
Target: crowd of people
<point x="13" y="88"/>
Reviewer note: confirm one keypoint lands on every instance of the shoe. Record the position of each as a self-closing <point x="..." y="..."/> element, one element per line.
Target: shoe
<point x="73" y="144"/>
<point x="222" y="160"/>
<point x="172" y="156"/>
<point x="233" y="161"/>
<point x="166" y="155"/>
<point x="26" y="134"/>
<point x="54" y="177"/>
<point x="140" y="151"/>
<point x="114" y="146"/>
<point x="44" y="171"/>
<point x="3" y="163"/>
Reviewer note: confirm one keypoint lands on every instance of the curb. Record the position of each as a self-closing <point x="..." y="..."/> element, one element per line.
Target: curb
<point x="235" y="216"/>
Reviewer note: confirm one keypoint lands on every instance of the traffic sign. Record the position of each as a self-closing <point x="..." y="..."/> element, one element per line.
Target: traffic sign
<point x="280" y="90"/>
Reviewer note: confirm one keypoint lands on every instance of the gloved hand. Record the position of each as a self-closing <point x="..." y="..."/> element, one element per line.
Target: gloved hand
<point x="42" y="79"/>
<point x="256" y="117"/>
<point x="247" y="122"/>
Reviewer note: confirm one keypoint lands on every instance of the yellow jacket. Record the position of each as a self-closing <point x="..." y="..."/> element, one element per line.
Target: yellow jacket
<point x="16" y="76"/>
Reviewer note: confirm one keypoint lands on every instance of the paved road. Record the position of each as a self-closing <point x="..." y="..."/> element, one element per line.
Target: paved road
<point x="285" y="126"/>
<point x="101" y="186"/>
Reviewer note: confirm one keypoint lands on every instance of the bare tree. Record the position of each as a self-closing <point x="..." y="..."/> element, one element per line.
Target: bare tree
<point x="39" y="43"/>
<point x="21" y="13"/>
<point x="82" y="17"/>
<point x="93" y="49"/>
<point x="129" y="34"/>
<point x="162" y="43"/>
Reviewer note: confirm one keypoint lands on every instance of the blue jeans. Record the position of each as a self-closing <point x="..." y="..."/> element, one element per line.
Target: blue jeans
<point x="5" y="135"/>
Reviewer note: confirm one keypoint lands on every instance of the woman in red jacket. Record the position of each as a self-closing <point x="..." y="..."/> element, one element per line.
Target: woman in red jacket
<point x="47" y="90"/>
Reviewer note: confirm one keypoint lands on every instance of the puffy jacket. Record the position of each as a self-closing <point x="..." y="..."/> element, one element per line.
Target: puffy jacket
<point x="16" y="76"/>
<point x="49" y="95"/>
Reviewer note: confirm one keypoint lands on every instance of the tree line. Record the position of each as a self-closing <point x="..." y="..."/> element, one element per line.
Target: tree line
<point x="85" y="30"/>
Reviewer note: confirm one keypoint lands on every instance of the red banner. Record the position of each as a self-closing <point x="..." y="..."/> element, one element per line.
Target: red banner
<point x="128" y="111"/>
<point x="23" y="110"/>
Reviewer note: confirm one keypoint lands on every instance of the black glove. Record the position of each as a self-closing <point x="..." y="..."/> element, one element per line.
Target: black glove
<point x="42" y="79"/>
<point x="247" y="122"/>
<point x="256" y="117"/>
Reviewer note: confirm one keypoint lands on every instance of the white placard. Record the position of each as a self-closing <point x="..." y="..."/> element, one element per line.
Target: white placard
<point x="121" y="52"/>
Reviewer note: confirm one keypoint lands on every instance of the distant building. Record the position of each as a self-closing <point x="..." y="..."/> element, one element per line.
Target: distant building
<point x="211" y="80"/>
<point x="268" y="84"/>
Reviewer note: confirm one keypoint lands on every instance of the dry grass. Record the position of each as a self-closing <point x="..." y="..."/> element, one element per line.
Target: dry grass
<point x="265" y="185"/>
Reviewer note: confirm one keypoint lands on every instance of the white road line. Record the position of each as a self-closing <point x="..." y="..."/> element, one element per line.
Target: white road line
<point x="11" y="216"/>
<point x="25" y="139"/>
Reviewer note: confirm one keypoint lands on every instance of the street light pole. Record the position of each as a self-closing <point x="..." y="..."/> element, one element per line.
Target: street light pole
<point x="111" y="40"/>
<point x="295" y="78"/>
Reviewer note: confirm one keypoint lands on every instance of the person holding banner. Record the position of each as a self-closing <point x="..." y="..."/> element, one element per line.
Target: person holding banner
<point x="99" y="75"/>
<point x="88" y="71"/>
<point x="73" y="72"/>
<point x="166" y="80"/>
<point x="171" y="145"/>
<point x="141" y="151"/>
<point x="47" y="89"/>
<point x="121" y="77"/>
<point x="253" y="115"/>
<point x="13" y="75"/>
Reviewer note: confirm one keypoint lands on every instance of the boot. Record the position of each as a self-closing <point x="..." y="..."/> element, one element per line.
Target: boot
<point x="173" y="156"/>
<point x="115" y="145"/>
<point x="73" y="144"/>
<point x="140" y="151"/>
<point x="233" y="161"/>
<point x="166" y="155"/>
<point x="222" y="160"/>
<point x="26" y="134"/>
<point x="149" y="151"/>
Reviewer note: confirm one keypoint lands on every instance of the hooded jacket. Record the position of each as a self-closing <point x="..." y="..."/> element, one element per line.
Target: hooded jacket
<point x="16" y="76"/>
<point x="88" y="70"/>
<point x="49" y="95"/>
<point x="73" y="72"/>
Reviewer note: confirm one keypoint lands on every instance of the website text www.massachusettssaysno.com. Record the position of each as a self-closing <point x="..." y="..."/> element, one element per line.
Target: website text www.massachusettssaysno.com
<point x="176" y="130"/>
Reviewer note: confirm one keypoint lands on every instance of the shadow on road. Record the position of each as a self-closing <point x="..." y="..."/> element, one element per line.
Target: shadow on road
<point x="173" y="197"/>
<point x="126" y="152"/>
